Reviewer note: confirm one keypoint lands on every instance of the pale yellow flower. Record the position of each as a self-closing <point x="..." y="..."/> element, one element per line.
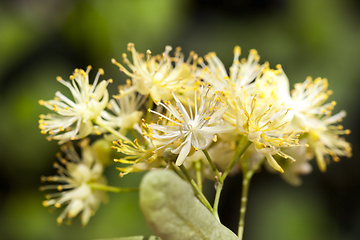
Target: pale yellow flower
<point x="157" y="75"/>
<point x="311" y="113"/>
<point x="294" y="170"/>
<point x="266" y="126"/>
<point x="73" y="119"/>
<point x="73" y="184"/>
<point x="126" y="110"/>
<point x="137" y="156"/>
<point x="307" y="99"/>
<point x="324" y="139"/>
<point x="242" y="73"/>
<point x="195" y="129"/>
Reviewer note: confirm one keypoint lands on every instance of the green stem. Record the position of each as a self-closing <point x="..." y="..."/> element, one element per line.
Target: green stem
<point x="216" y="200"/>
<point x="111" y="130"/>
<point x="99" y="186"/>
<point x="247" y="175"/>
<point x="213" y="166"/>
<point x="241" y="148"/>
<point x="221" y="178"/>
<point x="198" y="192"/>
<point x="198" y="174"/>
<point x="178" y="172"/>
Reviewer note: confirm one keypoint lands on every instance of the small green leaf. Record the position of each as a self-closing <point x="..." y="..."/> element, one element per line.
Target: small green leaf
<point x="173" y="212"/>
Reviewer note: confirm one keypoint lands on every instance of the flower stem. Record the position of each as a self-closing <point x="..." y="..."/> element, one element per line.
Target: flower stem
<point x="216" y="200"/>
<point x="248" y="172"/>
<point x="241" y="148"/>
<point x="220" y="179"/>
<point x="111" y="130"/>
<point x="99" y="186"/>
<point x="198" y="174"/>
<point x="198" y="192"/>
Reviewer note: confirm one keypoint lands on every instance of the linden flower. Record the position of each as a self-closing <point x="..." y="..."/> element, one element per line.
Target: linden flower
<point x="195" y="129"/>
<point x="306" y="99"/>
<point x="242" y="73"/>
<point x="264" y="125"/>
<point x="157" y="75"/>
<point x="324" y="139"/>
<point x="293" y="171"/>
<point x="74" y="184"/>
<point x="311" y="114"/>
<point x="73" y="118"/>
<point x="141" y="159"/>
<point x="126" y="109"/>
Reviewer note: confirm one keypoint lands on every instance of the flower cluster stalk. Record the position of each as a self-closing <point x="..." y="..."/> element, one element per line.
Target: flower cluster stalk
<point x="248" y="172"/>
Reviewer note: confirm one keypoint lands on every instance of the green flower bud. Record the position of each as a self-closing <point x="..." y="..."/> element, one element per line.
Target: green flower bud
<point x="103" y="152"/>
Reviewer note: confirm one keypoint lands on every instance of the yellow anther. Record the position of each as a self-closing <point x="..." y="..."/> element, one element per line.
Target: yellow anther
<point x="237" y="50"/>
<point x="130" y="46"/>
<point x="253" y="51"/>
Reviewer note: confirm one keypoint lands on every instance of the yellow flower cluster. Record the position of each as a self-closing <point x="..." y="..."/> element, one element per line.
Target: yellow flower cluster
<point x="172" y="109"/>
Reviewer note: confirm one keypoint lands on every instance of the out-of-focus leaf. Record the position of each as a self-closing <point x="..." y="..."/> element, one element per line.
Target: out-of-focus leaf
<point x="86" y="29"/>
<point x="173" y="212"/>
<point x="134" y="238"/>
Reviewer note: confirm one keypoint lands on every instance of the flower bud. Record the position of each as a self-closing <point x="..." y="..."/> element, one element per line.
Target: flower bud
<point x="103" y="152"/>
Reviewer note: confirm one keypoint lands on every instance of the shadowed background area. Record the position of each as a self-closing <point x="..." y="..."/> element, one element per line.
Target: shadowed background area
<point x="42" y="39"/>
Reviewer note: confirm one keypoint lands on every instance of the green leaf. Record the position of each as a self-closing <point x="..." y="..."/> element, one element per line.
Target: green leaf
<point x="173" y="212"/>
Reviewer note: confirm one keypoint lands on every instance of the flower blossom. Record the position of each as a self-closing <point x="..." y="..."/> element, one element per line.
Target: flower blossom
<point x="74" y="181"/>
<point x="306" y="99"/>
<point x="72" y="119"/>
<point x="312" y="114"/>
<point x="126" y="109"/>
<point x="137" y="156"/>
<point x="157" y="75"/>
<point x="324" y="139"/>
<point x="294" y="170"/>
<point x="265" y="125"/>
<point x="242" y="73"/>
<point x="195" y="129"/>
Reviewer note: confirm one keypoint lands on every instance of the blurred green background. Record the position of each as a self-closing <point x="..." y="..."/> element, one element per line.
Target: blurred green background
<point x="42" y="39"/>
